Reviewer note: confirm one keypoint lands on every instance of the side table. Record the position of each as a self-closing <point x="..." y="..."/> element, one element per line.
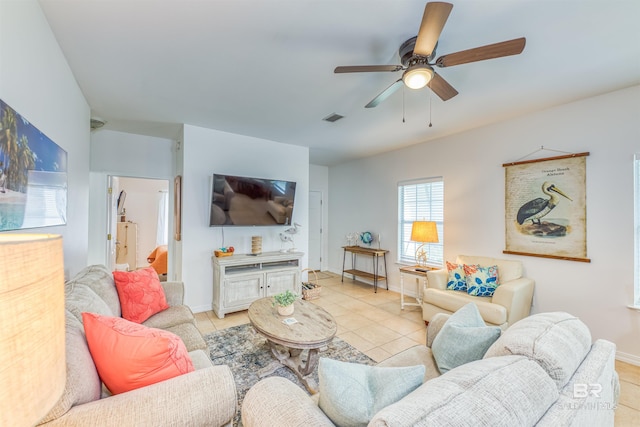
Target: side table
<point x="418" y="273"/>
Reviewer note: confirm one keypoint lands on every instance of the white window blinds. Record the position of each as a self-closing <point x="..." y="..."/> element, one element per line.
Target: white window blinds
<point x="420" y="200"/>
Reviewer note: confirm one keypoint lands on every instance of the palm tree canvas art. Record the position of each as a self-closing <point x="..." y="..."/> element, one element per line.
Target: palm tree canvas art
<point x="33" y="175"/>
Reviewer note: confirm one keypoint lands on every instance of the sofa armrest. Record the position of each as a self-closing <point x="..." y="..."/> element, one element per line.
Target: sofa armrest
<point x="437" y="279"/>
<point x="516" y="296"/>
<point x="434" y="326"/>
<point x="203" y="397"/>
<point x="174" y="292"/>
<point x="267" y="401"/>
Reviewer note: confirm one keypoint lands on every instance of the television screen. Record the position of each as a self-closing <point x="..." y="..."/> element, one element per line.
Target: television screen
<point x="239" y="200"/>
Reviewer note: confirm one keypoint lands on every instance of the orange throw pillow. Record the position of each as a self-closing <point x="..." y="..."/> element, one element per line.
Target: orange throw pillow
<point x="129" y="356"/>
<point x="141" y="294"/>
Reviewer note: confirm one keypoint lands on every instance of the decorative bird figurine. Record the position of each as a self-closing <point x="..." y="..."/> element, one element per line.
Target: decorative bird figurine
<point x="537" y="208"/>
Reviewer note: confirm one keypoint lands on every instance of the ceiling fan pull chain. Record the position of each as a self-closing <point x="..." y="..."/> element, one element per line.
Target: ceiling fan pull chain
<point x="430" y="125"/>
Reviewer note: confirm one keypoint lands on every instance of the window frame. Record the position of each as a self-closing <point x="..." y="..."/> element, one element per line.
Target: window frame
<point x="430" y="212"/>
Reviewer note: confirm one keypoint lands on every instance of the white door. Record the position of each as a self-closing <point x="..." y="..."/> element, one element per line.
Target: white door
<point x="315" y="230"/>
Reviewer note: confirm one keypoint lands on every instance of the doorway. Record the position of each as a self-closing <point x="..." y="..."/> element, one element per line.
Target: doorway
<point x="315" y="230"/>
<point x="138" y="222"/>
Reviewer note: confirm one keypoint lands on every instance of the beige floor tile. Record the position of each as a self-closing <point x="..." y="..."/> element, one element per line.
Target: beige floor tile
<point x="351" y="321"/>
<point x="378" y="354"/>
<point x="206" y="327"/>
<point x="377" y="334"/>
<point x="354" y="305"/>
<point x="375" y="314"/>
<point x="413" y="315"/>
<point x="337" y="310"/>
<point x="230" y="320"/>
<point x="626" y="417"/>
<point x="202" y="316"/>
<point x="399" y="345"/>
<point x="402" y="326"/>
<point x="392" y="307"/>
<point x="419" y="336"/>
<point x="357" y="341"/>
<point x="630" y="395"/>
<point x="628" y="372"/>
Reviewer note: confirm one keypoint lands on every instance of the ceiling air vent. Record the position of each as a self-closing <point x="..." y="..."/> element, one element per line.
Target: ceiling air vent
<point x="333" y="117"/>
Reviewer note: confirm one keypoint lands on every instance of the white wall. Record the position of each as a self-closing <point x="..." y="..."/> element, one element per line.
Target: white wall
<point x="35" y="80"/>
<point x="363" y="197"/>
<point x="319" y="181"/>
<point x="126" y="155"/>
<point x="207" y="151"/>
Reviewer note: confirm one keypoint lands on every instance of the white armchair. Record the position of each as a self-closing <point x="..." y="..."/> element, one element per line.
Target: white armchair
<point x="510" y="302"/>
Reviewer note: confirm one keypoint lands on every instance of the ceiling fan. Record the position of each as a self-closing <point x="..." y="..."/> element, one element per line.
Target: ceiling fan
<point x="417" y="53"/>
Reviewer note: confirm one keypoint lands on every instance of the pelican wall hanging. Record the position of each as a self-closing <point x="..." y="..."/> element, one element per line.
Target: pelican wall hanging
<point x="545" y="207"/>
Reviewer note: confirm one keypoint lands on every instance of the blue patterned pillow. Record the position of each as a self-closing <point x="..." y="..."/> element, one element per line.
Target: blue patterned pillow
<point x="481" y="281"/>
<point x="456" y="280"/>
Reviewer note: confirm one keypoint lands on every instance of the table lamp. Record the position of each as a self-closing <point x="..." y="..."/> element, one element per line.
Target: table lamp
<point x="423" y="232"/>
<point x="32" y="327"/>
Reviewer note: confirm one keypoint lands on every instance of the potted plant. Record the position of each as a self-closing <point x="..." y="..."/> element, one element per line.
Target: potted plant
<point x="284" y="302"/>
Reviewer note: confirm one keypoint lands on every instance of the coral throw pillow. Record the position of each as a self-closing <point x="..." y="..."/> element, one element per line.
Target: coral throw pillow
<point x="141" y="294"/>
<point x="129" y="356"/>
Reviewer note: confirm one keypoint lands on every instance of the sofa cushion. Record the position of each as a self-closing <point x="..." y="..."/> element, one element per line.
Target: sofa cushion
<point x="172" y="316"/>
<point x="80" y="297"/>
<point x="455" y="300"/>
<point x="100" y="281"/>
<point x="129" y="356"/>
<point x="464" y="337"/>
<point x="83" y="383"/>
<point x="456" y="280"/>
<point x="481" y="281"/>
<point x="141" y="294"/>
<point x="502" y="391"/>
<point x="351" y="393"/>
<point x="558" y="341"/>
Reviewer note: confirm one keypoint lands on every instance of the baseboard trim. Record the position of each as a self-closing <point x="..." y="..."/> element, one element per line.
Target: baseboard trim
<point x="201" y="308"/>
<point x="628" y="358"/>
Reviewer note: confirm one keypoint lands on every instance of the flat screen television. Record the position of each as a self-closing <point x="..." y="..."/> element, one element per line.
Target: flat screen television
<point x="242" y="200"/>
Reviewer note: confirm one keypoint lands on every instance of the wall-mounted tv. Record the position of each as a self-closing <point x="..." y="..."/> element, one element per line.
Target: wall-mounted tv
<point x="241" y="200"/>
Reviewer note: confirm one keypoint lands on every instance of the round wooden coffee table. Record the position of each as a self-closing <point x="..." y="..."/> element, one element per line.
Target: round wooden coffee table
<point x="314" y="329"/>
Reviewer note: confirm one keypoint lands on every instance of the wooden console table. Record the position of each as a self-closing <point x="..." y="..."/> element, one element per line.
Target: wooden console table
<point x="375" y="255"/>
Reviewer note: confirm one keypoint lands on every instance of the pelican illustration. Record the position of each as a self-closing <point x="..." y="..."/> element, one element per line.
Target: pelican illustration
<point x="537" y="208"/>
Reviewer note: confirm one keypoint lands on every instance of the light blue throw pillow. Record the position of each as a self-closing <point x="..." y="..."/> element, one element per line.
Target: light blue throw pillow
<point x="464" y="337"/>
<point x="351" y="394"/>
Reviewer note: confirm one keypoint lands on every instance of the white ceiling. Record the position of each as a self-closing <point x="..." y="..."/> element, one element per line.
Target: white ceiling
<point x="265" y="68"/>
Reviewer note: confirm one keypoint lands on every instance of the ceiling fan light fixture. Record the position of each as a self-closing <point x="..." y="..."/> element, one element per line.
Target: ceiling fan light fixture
<point x="417" y="76"/>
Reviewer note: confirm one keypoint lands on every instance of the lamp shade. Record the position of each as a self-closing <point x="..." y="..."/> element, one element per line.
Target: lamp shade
<point x="424" y="232"/>
<point x="32" y="327"/>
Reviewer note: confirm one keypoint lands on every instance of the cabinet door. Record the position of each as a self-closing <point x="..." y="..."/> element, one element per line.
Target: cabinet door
<point x="243" y="289"/>
<point x="280" y="281"/>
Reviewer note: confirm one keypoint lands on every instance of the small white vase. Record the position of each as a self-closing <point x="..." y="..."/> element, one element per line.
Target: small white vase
<point x="286" y="310"/>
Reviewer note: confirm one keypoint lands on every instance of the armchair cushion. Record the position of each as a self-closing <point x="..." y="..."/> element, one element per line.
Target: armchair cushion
<point x="481" y="281"/>
<point x="464" y="337"/>
<point x="351" y="393"/>
<point x="130" y="356"/>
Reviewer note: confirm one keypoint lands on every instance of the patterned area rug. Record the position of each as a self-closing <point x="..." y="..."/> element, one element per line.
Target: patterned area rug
<point x="246" y="352"/>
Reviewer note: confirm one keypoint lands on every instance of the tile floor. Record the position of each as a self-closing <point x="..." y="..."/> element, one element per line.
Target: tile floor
<point x="375" y="324"/>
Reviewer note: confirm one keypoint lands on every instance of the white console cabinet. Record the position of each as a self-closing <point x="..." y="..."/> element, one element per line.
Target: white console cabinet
<point x="239" y="280"/>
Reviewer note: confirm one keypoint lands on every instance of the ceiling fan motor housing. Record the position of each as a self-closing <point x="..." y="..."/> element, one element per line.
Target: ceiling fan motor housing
<point x="407" y="56"/>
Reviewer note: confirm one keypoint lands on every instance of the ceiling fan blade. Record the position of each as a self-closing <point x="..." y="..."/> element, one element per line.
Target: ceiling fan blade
<point x="367" y="68"/>
<point x="384" y="94"/>
<point x="496" y="50"/>
<point x="440" y="87"/>
<point x="433" y="20"/>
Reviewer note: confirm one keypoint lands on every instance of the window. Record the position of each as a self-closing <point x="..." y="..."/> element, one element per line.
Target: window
<point x="420" y="200"/>
<point x="636" y="196"/>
